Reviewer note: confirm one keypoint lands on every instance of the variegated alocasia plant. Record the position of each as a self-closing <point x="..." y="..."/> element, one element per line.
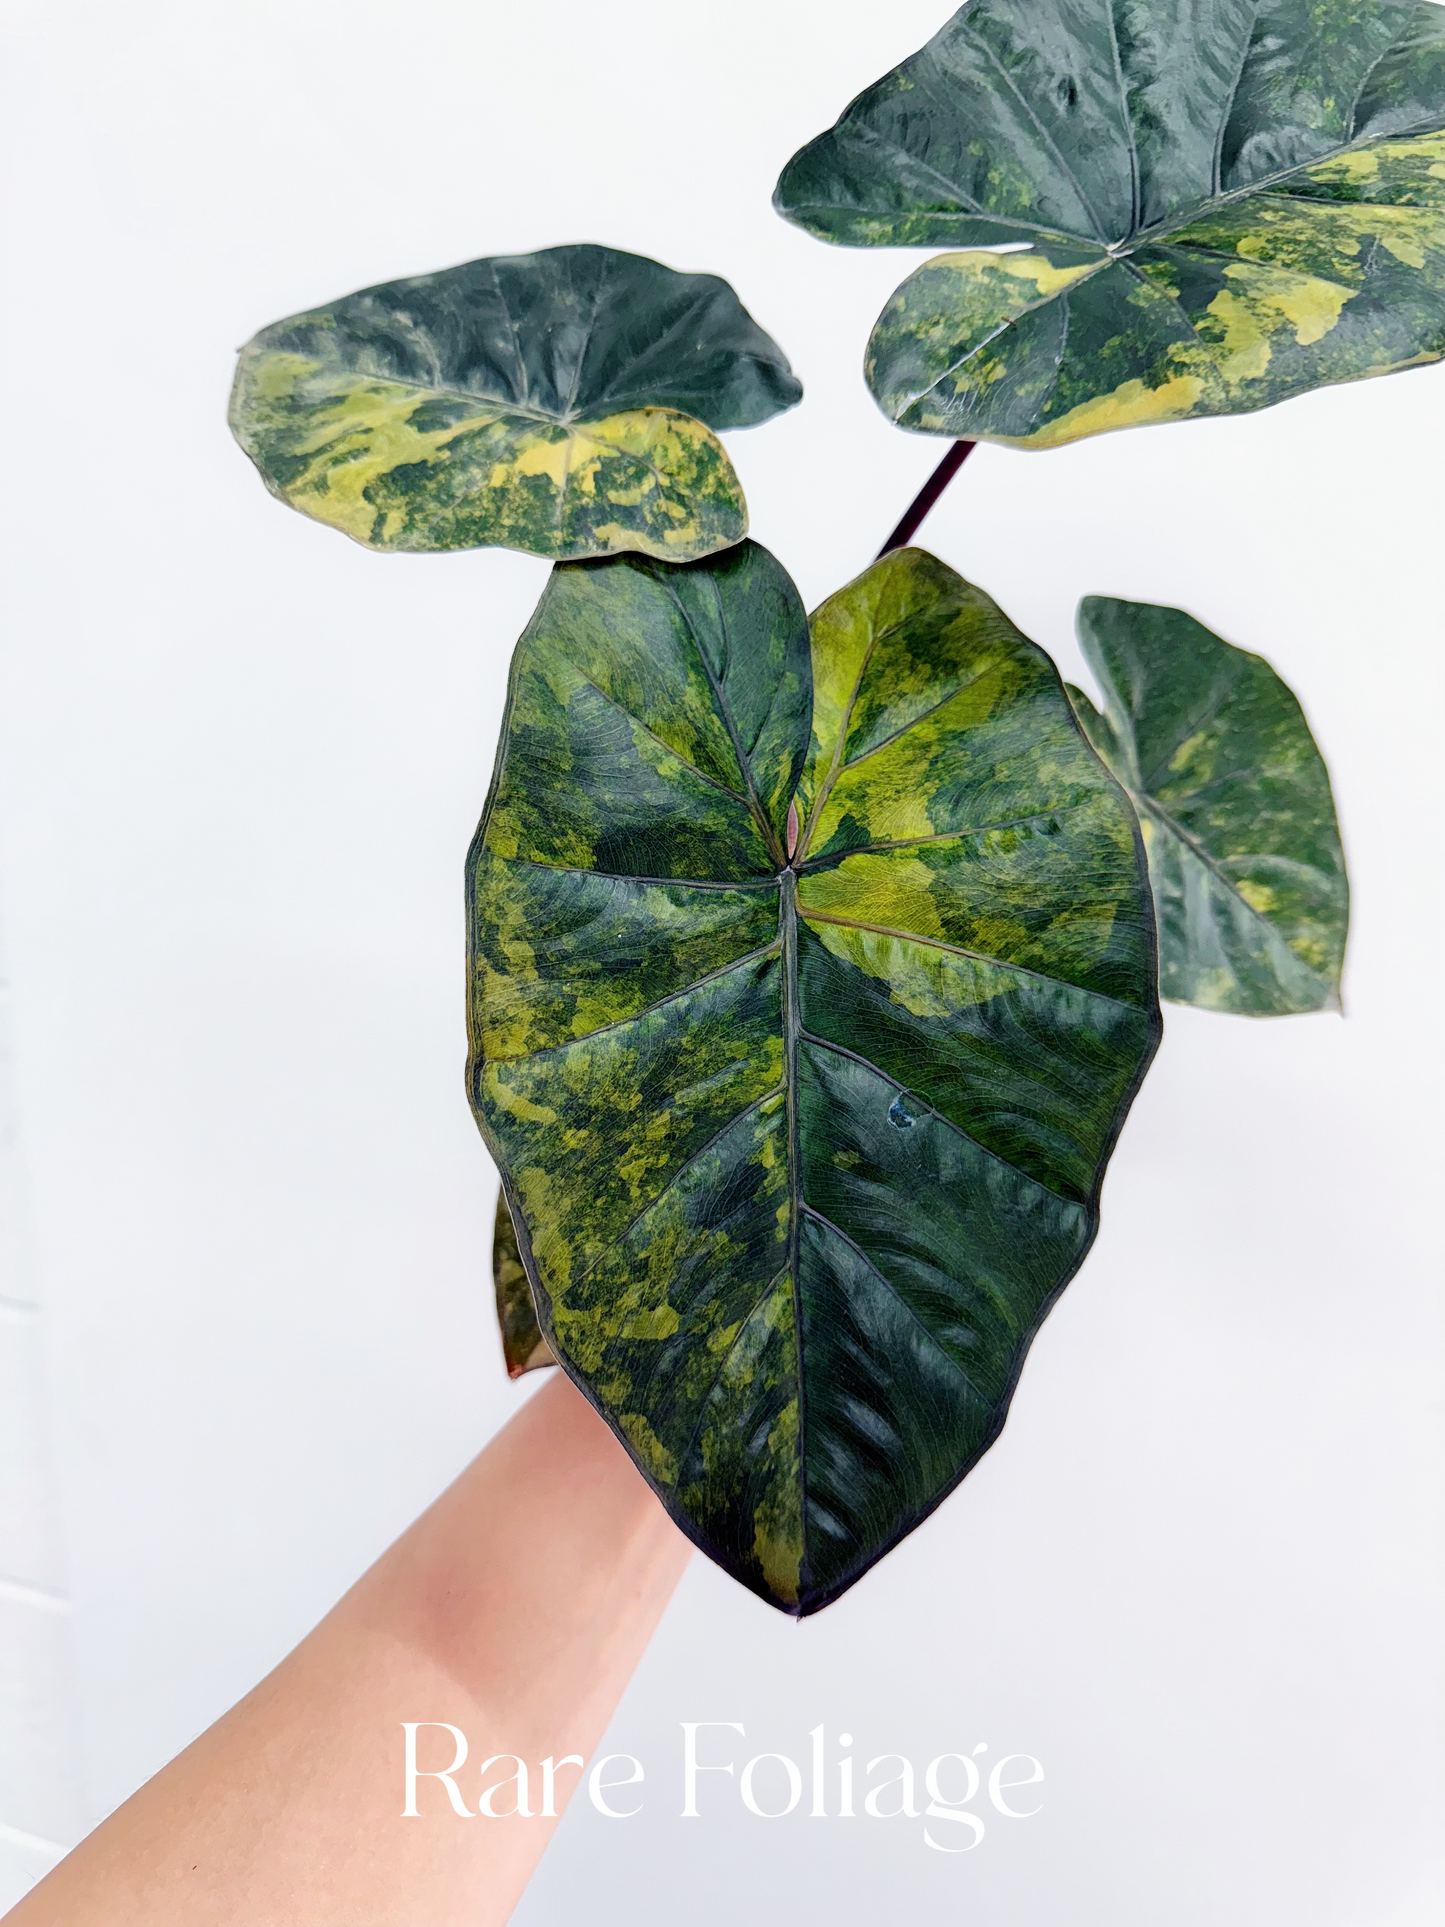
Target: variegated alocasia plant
<point x="1234" y="798"/>
<point x="811" y="980"/>
<point x="813" y="968"/>
<point x="563" y="403"/>
<point x="1224" y="203"/>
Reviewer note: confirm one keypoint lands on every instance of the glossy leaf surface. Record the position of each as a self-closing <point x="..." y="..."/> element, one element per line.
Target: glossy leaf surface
<point x="562" y="403"/>
<point x="1226" y="203"/>
<point x="800" y="1153"/>
<point x="1245" y="858"/>
<point x="523" y="1346"/>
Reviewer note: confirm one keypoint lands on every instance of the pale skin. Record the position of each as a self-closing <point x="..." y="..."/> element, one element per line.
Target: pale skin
<point x="516" y="1608"/>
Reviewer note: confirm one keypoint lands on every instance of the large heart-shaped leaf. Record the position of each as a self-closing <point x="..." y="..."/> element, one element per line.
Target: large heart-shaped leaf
<point x="800" y="1152"/>
<point x="562" y="403"/>
<point x="1244" y="850"/>
<point x="1227" y="202"/>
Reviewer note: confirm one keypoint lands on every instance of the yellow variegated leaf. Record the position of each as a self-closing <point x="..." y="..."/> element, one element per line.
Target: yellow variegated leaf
<point x="810" y="981"/>
<point x="556" y="403"/>
<point x="1225" y="205"/>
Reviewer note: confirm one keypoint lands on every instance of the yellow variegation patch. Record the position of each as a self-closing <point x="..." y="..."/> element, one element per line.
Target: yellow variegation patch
<point x="363" y="456"/>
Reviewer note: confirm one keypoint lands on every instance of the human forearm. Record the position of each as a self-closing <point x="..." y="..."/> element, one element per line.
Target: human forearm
<point x="516" y="1608"/>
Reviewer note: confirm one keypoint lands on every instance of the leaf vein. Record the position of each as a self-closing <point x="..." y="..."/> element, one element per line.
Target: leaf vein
<point x="1196" y="722"/>
<point x="1060" y="296"/>
<point x="648" y="730"/>
<point x="1274" y="939"/>
<point x="768" y="1289"/>
<point x="623" y="876"/>
<point x="841" y="1050"/>
<point x="1216" y="180"/>
<point x="687" y="1163"/>
<point x="959" y="950"/>
<point x="893" y="1290"/>
<point x="943" y="836"/>
<point x="1069" y="175"/>
<point x="647" y="1010"/>
<point x="1134" y="184"/>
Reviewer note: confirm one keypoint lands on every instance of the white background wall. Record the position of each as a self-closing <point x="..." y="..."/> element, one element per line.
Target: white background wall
<point x="240" y="759"/>
<point x="40" y="1768"/>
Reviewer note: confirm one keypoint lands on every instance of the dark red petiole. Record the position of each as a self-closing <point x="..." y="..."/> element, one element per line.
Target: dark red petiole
<point x="924" y="500"/>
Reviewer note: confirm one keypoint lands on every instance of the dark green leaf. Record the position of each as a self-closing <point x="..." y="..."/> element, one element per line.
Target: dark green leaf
<point x="801" y="1153"/>
<point x="523" y="1346"/>
<point x="1226" y="203"/>
<point x="1249" y="878"/>
<point x="562" y="403"/>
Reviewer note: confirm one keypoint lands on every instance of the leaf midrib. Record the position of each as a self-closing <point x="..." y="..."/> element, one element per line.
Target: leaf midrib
<point x="576" y="422"/>
<point x="792" y="1032"/>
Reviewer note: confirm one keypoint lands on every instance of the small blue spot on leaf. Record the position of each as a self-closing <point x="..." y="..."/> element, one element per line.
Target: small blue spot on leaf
<point x="898" y="1117"/>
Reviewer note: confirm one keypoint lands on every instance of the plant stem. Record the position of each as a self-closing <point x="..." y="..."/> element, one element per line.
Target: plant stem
<point x="924" y="500"/>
